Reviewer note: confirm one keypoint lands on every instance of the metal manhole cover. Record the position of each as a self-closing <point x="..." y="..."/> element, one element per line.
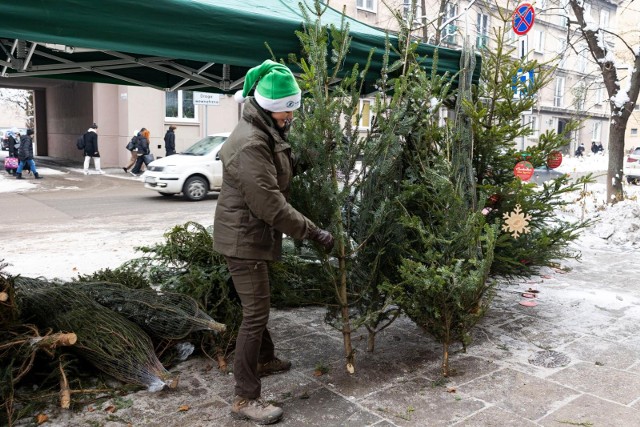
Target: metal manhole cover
<point x="549" y="359"/>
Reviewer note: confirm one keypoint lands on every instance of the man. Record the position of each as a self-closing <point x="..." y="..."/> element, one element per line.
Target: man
<point x="170" y="141"/>
<point x="251" y="215"/>
<point x="91" y="149"/>
<point x="25" y="154"/>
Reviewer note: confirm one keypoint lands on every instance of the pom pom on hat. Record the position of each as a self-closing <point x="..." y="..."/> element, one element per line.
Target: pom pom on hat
<point x="276" y="89"/>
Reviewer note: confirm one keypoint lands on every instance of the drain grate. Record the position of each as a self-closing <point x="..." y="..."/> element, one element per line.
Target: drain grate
<point x="549" y="359"/>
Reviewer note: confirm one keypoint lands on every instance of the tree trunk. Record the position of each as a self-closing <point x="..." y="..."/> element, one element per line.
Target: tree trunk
<point x="617" y="129"/>
<point x="346" y="323"/>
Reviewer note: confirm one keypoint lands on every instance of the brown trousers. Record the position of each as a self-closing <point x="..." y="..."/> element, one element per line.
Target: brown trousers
<point x="254" y="344"/>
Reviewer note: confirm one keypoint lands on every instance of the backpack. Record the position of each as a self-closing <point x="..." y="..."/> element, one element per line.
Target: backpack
<point x="80" y="142"/>
<point x="133" y="144"/>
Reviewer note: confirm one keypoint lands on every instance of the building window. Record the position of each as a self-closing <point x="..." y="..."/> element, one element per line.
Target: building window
<point x="368" y="5"/>
<point x="562" y="53"/>
<point x="451" y="30"/>
<point x="532" y="122"/>
<point x="579" y="94"/>
<point x="604" y="18"/>
<point x="634" y="131"/>
<point x="558" y="95"/>
<point x="482" y="30"/>
<point x="581" y="65"/>
<point x="179" y="105"/>
<point x="587" y="12"/>
<point x="564" y="13"/>
<point x="599" y="95"/>
<point x="595" y="131"/>
<point x="538" y="41"/>
<point x="407" y="13"/>
<point x="364" y="117"/>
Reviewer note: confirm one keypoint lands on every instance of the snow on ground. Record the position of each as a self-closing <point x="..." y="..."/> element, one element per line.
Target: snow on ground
<point x="615" y="226"/>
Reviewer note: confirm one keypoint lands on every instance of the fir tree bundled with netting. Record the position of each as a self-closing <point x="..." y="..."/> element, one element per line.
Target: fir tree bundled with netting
<point x="186" y="263"/>
<point x="112" y="343"/>
<point x="163" y="314"/>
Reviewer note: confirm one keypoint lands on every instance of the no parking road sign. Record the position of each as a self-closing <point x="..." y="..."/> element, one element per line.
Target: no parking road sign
<point x="523" y="19"/>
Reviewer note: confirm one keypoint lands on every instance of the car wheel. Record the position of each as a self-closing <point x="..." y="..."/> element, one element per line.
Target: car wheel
<point x="195" y="188"/>
<point x="633" y="180"/>
<point x="166" y="194"/>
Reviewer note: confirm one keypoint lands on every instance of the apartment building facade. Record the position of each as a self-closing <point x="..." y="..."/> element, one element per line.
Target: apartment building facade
<point x="576" y="91"/>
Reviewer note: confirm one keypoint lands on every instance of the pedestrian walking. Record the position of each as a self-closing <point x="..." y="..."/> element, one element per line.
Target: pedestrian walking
<point x="170" y="141"/>
<point x="251" y="215"/>
<point x="91" y="150"/>
<point x="25" y="154"/>
<point x="142" y="153"/>
<point x="580" y="150"/>
<point x="132" y="146"/>
<point x="13" y="142"/>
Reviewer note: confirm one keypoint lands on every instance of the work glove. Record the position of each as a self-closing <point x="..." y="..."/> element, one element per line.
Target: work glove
<point x="323" y="237"/>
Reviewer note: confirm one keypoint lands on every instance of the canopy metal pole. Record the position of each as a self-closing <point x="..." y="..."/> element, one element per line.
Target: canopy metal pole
<point x="13" y="49"/>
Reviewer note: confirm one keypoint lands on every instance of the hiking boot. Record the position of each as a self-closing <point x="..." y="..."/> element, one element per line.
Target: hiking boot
<point x="19" y="175"/>
<point x="256" y="410"/>
<point x="273" y="366"/>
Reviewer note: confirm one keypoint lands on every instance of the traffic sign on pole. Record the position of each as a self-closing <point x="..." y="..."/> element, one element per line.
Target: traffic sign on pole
<point x="523" y="18"/>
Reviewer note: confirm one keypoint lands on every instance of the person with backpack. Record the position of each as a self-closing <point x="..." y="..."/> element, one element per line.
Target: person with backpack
<point x="91" y="149"/>
<point x="143" y="151"/>
<point x="25" y="154"/>
<point x="132" y="146"/>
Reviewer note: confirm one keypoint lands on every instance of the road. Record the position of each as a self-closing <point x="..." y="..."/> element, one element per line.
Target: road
<point x="70" y="223"/>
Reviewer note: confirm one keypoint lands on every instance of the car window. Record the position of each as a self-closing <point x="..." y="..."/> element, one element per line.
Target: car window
<point x="204" y="146"/>
<point x="636" y="152"/>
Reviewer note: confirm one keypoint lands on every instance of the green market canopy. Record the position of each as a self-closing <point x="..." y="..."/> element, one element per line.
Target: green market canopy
<point x="204" y="45"/>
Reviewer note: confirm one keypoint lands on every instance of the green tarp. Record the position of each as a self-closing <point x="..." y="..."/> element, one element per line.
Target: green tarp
<point x="202" y="45"/>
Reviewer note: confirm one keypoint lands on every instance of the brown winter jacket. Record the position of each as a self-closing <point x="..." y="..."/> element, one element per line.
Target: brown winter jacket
<point x="252" y="210"/>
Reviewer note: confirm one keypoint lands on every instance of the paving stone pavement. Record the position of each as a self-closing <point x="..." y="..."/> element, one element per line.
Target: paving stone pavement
<point x="588" y="316"/>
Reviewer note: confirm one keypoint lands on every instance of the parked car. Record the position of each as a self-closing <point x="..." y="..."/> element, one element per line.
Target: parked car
<point x="194" y="172"/>
<point x="631" y="167"/>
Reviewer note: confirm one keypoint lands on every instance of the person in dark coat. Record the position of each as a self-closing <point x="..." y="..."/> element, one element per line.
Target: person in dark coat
<point x="25" y="154"/>
<point x="170" y="141"/>
<point x="594" y="147"/>
<point x="580" y="150"/>
<point x="252" y="213"/>
<point x="143" y="150"/>
<point x="91" y="149"/>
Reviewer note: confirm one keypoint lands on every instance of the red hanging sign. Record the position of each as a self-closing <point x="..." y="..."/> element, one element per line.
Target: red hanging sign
<point x="523" y="170"/>
<point x="554" y="159"/>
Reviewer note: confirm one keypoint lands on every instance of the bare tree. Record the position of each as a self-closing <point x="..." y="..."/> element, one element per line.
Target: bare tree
<point x="622" y="92"/>
<point x="23" y="101"/>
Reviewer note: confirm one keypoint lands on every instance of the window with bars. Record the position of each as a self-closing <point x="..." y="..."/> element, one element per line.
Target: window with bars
<point x="179" y="105"/>
<point x="482" y="30"/>
<point x="558" y="95"/>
